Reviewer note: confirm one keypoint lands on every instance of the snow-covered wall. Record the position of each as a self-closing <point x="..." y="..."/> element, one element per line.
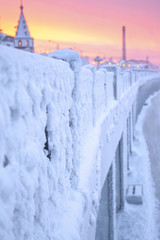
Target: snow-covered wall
<point x="60" y="125"/>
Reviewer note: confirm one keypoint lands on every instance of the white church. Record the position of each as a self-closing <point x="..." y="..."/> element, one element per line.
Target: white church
<point x="23" y="39"/>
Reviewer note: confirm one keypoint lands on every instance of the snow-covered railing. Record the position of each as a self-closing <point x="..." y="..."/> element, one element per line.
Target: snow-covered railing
<point x="48" y="109"/>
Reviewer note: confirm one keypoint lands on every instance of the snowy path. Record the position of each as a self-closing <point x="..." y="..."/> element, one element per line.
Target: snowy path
<point x="151" y="130"/>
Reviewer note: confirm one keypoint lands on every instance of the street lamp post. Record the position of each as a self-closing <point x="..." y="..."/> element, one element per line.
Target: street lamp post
<point x="98" y="60"/>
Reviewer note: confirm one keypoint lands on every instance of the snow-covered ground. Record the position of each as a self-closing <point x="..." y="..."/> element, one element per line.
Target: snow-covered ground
<point x="140" y="222"/>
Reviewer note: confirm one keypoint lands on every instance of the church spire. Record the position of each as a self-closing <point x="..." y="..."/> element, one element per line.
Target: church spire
<point x="22" y="29"/>
<point x="21" y="7"/>
<point x="23" y="39"/>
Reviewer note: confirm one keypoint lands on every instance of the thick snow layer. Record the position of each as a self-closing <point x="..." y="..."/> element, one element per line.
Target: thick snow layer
<point x="81" y="115"/>
<point x="100" y="93"/>
<point x="35" y="94"/>
<point x="37" y="193"/>
<point x="139" y="221"/>
<point x="52" y="114"/>
<point x="70" y="56"/>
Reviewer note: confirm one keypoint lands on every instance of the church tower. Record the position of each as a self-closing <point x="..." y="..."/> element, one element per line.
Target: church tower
<point x="23" y="39"/>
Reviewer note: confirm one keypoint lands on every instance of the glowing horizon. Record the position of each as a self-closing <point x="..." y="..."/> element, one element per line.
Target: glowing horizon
<point x="95" y="28"/>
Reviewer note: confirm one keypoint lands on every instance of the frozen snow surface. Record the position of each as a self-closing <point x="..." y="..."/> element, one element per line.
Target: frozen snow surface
<point x="140" y="221"/>
<point x="51" y="115"/>
<point x="42" y="98"/>
<point x="70" y="56"/>
<point x="34" y="90"/>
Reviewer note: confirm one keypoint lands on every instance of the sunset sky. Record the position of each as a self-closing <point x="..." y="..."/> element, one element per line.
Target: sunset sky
<point x="90" y="27"/>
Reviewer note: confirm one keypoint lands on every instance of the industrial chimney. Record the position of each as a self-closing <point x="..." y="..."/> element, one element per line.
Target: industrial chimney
<point x="124" y="43"/>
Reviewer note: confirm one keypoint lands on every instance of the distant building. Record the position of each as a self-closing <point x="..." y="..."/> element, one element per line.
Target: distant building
<point x="136" y="64"/>
<point x="6" y="40"/>
<point x="23" y="39"/>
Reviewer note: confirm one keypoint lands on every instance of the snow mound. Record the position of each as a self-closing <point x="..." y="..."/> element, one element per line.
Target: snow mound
<point x="70" y="56"/>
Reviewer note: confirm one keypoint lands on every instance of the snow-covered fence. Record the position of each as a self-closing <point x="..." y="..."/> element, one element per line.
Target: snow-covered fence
<point x="52" y="116"/>
<point x="100" y="92"/>
<point x="36" y="94"/>
<point x="81" y="117"/>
